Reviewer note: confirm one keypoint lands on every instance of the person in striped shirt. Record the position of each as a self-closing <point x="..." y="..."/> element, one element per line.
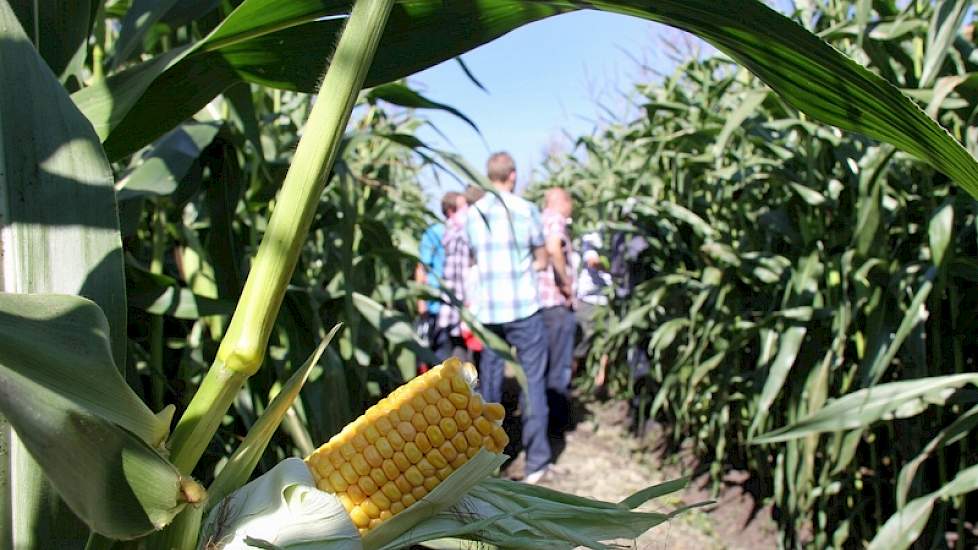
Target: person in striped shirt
<point x="505" y="236"/>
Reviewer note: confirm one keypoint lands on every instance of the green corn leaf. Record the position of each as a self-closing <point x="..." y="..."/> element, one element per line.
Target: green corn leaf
<point x="59" y="29"/>
<point x="142" y="15"/>
<point x="939" y="231"/>
<point x="400" y="94"/>
<point x="393" y="325"/>
<point x="242" y="463"/>
<point x="50" y="158"/>
<point x="883" y="402"/>
<point x="274" y="44"/>
<point x="162" y="167"/>
<point x="958" y="429"/>
<point x="907" y="524"/>
<point x="93" y="437"/>
<point x="943" y="29"/>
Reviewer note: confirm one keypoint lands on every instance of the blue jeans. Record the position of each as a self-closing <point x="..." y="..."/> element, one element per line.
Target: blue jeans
<point x="529" y="336"/>
<point x="561" y="326"/>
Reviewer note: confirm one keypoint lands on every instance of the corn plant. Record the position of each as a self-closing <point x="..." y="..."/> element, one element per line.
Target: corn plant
<point x="794" y="275"/>
<point x="167" y="189"/>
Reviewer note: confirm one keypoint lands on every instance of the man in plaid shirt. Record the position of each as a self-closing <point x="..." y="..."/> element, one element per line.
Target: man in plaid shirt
<point x="556" y="283"/>
<point x="506" y="240"/>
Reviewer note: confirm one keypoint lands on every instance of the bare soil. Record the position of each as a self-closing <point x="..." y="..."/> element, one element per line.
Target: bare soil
<point x="599" y="458"/>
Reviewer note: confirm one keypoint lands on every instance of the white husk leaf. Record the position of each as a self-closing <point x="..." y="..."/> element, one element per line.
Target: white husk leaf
<point x="281" y="509"/>
<point x="284" y="510"/>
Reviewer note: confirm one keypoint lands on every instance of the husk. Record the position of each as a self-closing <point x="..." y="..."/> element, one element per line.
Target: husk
<point x="283" y="509"/>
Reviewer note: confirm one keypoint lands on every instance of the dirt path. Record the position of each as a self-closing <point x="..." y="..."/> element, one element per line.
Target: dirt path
<point x="602" y="460"/>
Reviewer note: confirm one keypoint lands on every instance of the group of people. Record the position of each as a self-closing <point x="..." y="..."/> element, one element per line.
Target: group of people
<point x="509" y="264"/>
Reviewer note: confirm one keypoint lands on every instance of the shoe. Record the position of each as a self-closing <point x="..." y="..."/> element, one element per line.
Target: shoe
<point x="540" y="476"/>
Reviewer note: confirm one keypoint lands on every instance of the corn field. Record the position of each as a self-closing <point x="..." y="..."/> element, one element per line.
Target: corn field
<point x="209" y="214"/>
<point x="801" y="281"/>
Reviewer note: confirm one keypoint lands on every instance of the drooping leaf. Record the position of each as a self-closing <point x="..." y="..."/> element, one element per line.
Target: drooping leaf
<point x="90" y="433"/>
<point x="883" y="402"/>
<point x="275" y="43"/>
<point x="402" y="95"/>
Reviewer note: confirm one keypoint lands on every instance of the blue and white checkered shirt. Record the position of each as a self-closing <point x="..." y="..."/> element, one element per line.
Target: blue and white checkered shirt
<point x="503" y="230"/>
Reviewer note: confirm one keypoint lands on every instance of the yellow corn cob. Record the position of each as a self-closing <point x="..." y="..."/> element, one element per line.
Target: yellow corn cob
<point x="405" y="445"/>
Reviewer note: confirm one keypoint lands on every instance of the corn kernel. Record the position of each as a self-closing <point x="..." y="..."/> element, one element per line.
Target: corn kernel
<point x="355" y="493"/>
<point x="371" y="434"/>
<point x="337" y="481"/>
<point x="405" y="412"/>
<point x="446" y="408"/>
<point x="459" y="385"/>
<point x="426" y="467"/>
<point x="402" y="463"/>
<point x="500" y="437"/>
<point x="421" y="440"/>
<point x="397" y="508"/>
<point x="418" y="402"/>
<point x="384" y="447"/>
<point x="431" y="414"/>
<point x="495" y="412"/>
<point x="378" y="476"/>
<point x="483" y="425"/>
<point x="402" y="484"/>
<point x="386" y="514"/>
<point x="444" y="387"/>
<point x="347" y="502"/>
<point x="407" y="431"/>
<point x="419" y="422"/>
<point x="463" y="420"/>
<point x="335" y="459"/>
<point x="460" y="460"/>
<point x="367" y="484"/>
<point x="419" y="492"/>
<point x="471" y="451"/>
<point x="395" y="439"/>
<point x="412" y="452"/>
<point x="324" y="485"/>
<point x="359" y="517"/>
<point x="370" y="509"/>
<point x="443" y="473"/>
<point x="391" y="491"/>
<point x="460" y="443"/>
<point x="448" y="427"/>
<point x="458" y="400"/>
<point x="359" y="442"/>
<point x="414" y="476"/>
<point x="432" y="396"/>
<point x="348" y="473"/>
<point x="434" y="436"/>
<point x="360" y="465"/>
<point x="381" y="501"/>
<point x="384" y="425"/>
<point x="448" y="451"/>
<point x="436" y="459"/>
<point x="474" y="437"/>
<point x="430" y="483"/>
<point x="475" y="406"/>
<point x="408" y="499"/>
<point x="373" y="457"/>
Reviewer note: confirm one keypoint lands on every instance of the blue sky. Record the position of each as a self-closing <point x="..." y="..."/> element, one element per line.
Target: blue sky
<point x="545" y="80"/>
<point x="542" y="79"/>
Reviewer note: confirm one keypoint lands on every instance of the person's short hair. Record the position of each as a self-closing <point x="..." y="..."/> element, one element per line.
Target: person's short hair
<point x="473" y="193"/>
<point x="500" y="166"/>
<point x="449" y="203"/>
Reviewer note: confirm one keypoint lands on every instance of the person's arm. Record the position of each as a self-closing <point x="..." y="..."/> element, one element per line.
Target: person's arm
<point x="421" y="277"/>
<point x="555" y="249"/>
<point x="540" y="258"/>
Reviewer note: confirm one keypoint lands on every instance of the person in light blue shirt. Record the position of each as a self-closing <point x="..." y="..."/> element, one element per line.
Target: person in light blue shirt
<point x="505" y="236"/>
